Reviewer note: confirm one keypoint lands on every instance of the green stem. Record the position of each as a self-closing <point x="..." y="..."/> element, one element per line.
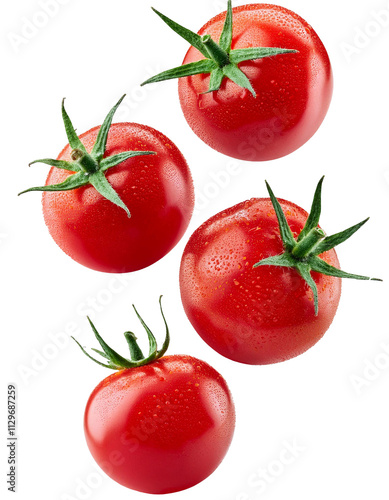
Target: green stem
<point x="135" y="351"/>
<point x="219" y="55"/>
<point x="85" y="161"/>
<point x="308" y="243"/>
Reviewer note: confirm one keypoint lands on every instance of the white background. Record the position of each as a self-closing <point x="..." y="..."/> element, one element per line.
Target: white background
<point x="92" y="52"/>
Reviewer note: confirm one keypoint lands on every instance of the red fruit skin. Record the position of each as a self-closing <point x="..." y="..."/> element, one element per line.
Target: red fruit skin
<point x="158" y="190"/>
<point x="163" y="427"/>
<point x="255" y="316"/>
<point x="293" y="90"/>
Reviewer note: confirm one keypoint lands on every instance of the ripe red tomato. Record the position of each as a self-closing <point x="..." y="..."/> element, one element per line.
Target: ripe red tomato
<point x="160" y="424"/>
<point x="266" y="314"/>
<point x="293" y="90"/>
<point x="157" y="190"/>
<point x="160" y="428"/>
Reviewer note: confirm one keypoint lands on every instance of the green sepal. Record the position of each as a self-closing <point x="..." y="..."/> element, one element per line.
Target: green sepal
<point x="89" y="167"/>
<point x="64" y="165"/>
<point x="114" y="160"/>
<point x="102" y="353"/>
<point x="283" y="260"/>
<point x="303" y="252"/>
<point x="117" y="362"/>
<point x="114" y="358"/>
<point x="74" y="140"/>
<point x="219" y="53"/>
<point x="193" y="38"/>
<point x="314" y="214"/>
<point x="153" y="348"/>
<point x="225" y="39"/>
<point x="166" y="342"/>
<point x="253" y="53"/>
<point x="152" y="341"/>
<point x="216" y="80"/>
<point x="102" y="186"/>
<point x="195" y="68"/>
<point x="304" y="270"/>
<point x="238" y="77"/>
<point x="101" y="141"/>
<point x="320" y="266"/>
<point x="96" y="360"/>
<point x="72" y="182"/>
<point x="286" y="234"/>
<point x="338" y="238"/>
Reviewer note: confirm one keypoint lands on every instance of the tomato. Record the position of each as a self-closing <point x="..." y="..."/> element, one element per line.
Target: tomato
<point x="272" y="312"/>
<point x="160" y="428"/>
<point x="162" y="425"/>
<point x="156" y="189"/>
<point x="286" y="98"/>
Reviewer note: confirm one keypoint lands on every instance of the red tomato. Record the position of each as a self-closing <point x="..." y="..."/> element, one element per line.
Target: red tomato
<point x="162" y="427"/>
<point x="158" y="190"/>
<point x="119" y="197"/>
<point x="293" y="90"/>
<point x="253" y="315"/>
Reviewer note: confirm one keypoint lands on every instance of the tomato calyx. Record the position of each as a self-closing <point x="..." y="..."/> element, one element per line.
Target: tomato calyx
<point x="89" y="168"/>
<point x="117" y="362"/>
<point x="302" y="253"/>
<point x="220" y="60"/>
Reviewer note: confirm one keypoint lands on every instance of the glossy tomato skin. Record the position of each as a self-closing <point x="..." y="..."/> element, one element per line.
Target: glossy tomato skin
<point x="158" y="190"/>
<point x="163" y="427"/>
<point x="255" y="316"/>
<point x="293" y="90"/>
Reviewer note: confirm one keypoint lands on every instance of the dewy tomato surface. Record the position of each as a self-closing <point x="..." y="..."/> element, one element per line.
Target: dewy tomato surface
<point x="253" y="315"/>
<point x="163" y="427"/>
<point x="160" y="424"/>
<point x="293" y="90"/>
<point x="256" y="83"/>
<point x="118" y="197"/>
<point x="260" y="281"/>
<point x="157" y="189"/>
